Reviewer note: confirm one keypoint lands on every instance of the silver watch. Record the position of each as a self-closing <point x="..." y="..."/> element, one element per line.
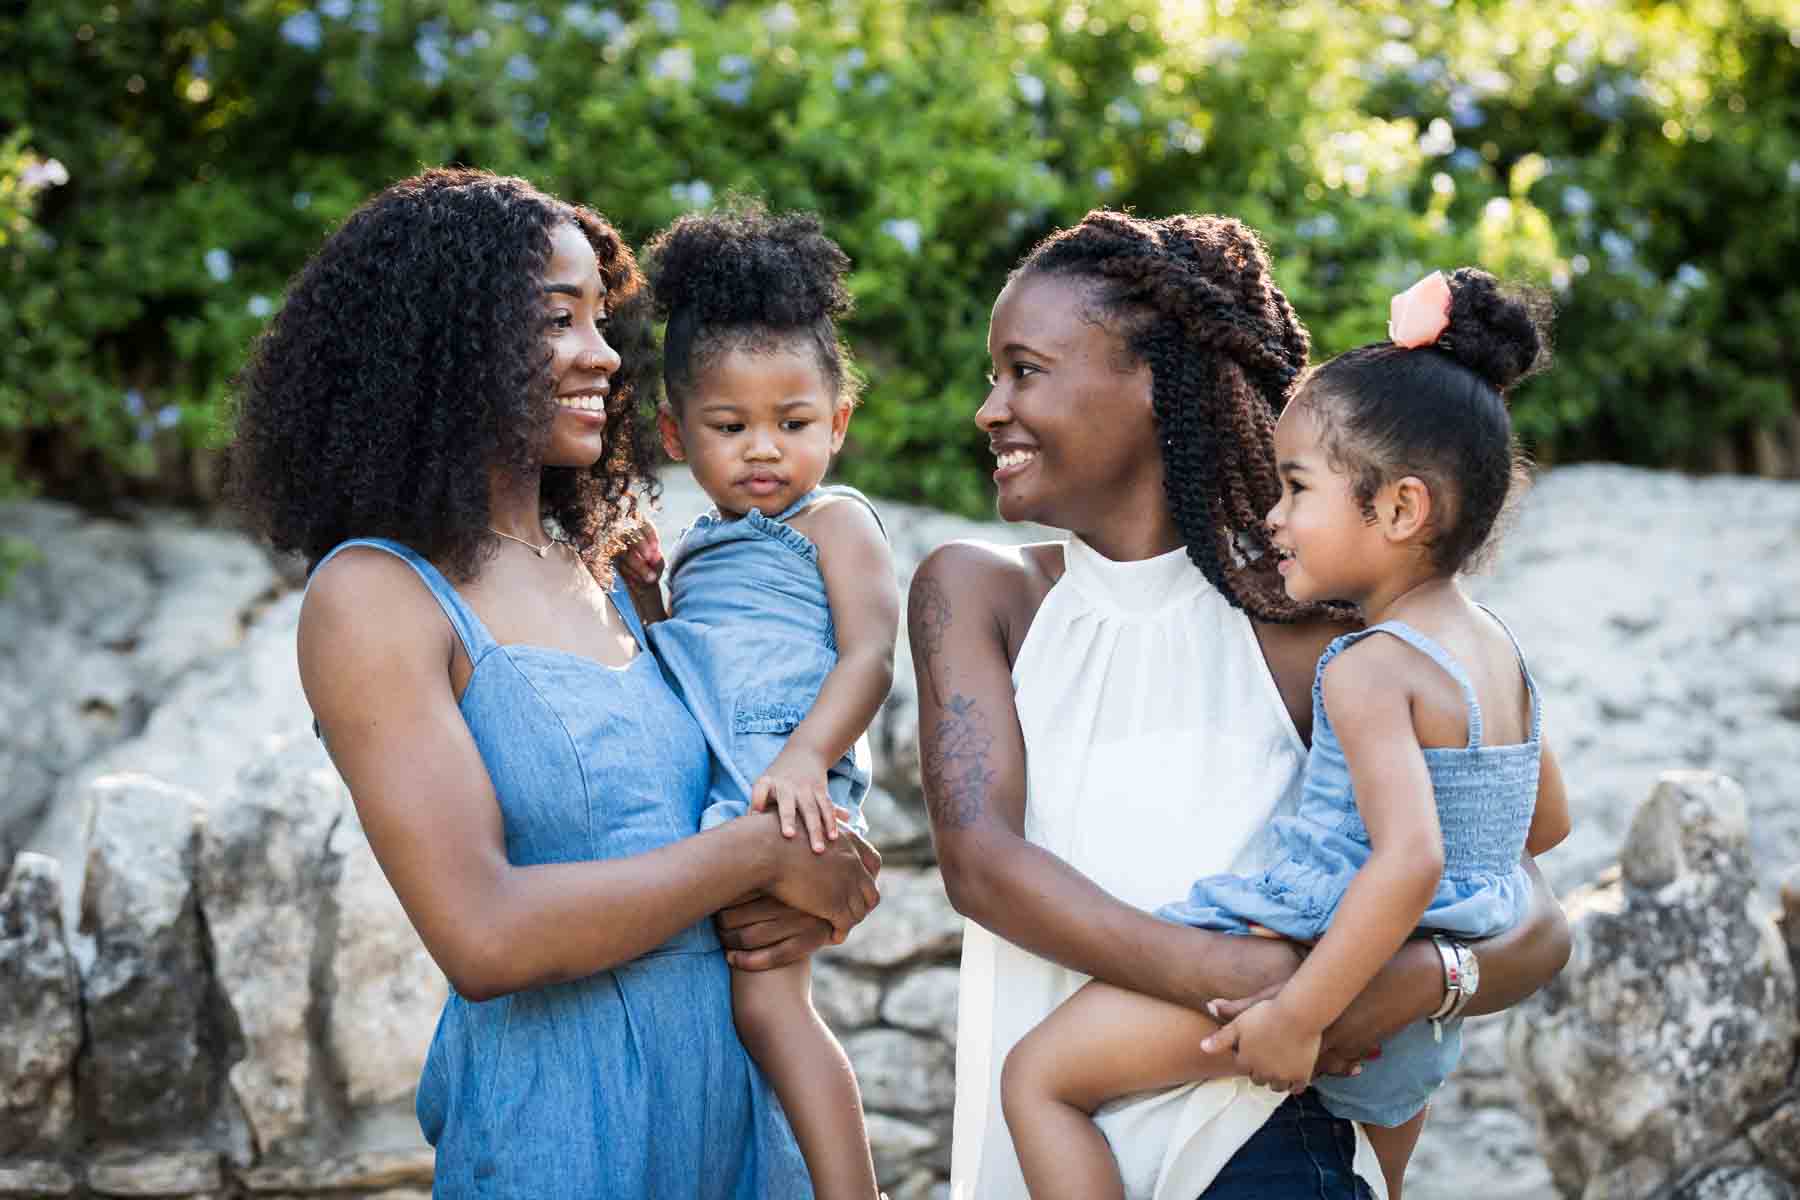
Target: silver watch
<point x="1462" y="976"/>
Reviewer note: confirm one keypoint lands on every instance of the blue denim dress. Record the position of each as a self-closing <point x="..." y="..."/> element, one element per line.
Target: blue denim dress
<point x="1485" y="799"/>
<point x="630" y="1082"/>
<point x="748" y="643"/>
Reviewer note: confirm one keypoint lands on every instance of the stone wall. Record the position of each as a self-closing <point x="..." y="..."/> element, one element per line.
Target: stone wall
<point x="207" y="989"/>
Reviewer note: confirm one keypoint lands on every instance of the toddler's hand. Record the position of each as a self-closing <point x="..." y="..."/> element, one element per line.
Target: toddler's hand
<point x="795" y="782"/>
<point x="642" y="560"/>
<point x="1268" y="1047"/>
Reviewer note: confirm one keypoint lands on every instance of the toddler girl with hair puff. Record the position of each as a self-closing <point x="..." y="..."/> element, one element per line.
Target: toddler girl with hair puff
<point x="783" y="606"/>
<point x="1427" y="781"/>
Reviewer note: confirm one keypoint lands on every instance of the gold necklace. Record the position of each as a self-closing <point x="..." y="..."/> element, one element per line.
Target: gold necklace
<point x="540" y="551"/>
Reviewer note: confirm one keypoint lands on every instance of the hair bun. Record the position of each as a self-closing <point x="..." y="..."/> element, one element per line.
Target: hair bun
<point x="740" y="266"/>
<point x="1501" y="333"/>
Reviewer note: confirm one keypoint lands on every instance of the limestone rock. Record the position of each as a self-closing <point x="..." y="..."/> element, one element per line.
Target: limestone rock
<point x="94" y="632"/>
<point x="902" y="1073"/>
<point x="846" y="999"/>
<point x="146" y="1064"/>
<point x="924" y="1001"/>
<point x="361" y="1170"/>
<point x="1777" y="1138"/>
<point x="40" y="1012"/>
<point x="178" y="1173"/>
<point x="34" y="1177"/>
<point x="899" y="829"/>
<point x="1789" y="920"/>
<point x="264" y="877"/>
<point x="1676" y="1015"/>
<point x="385" y="991"/>
<point x="913" y="921"/>
<point x="1738" y="1183"/>
<point x="897" y="1144"/>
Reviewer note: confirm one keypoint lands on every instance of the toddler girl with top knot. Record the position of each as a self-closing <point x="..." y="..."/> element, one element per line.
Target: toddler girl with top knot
<point x="1427" y="779"/>
<point x="783" y="606"/>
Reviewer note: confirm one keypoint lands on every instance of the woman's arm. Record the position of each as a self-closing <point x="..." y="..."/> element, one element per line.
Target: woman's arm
<point x="858" y="570"/>
<point x="973" y="756"/>
<point x="375" y="655"/>
<point x="1550" y="818"/>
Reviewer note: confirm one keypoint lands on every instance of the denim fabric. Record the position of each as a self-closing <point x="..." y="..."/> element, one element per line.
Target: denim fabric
<point x="630" y="1082"/>
<point x="1485" y="798"/>
<point x="1302" y="1152"/>
<point x="748" y="643"/>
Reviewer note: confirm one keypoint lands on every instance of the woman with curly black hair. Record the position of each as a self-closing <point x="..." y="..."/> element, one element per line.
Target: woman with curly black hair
<point x="436" y="420"/>
<point x="1103" y="718"/>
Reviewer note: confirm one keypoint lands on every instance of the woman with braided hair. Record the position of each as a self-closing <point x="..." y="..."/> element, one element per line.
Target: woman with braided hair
<point x="1105" y="718"/>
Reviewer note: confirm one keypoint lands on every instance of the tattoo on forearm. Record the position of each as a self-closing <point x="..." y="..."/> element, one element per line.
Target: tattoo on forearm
<point x="957" y="775"/>
<point x="928" y="618"/>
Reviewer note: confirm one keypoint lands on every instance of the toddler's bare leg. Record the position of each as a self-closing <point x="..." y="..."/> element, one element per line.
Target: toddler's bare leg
<point x="811" y="1075"/>
<point x="1393" y="1147"/>
<point x="1102" y="1043"/>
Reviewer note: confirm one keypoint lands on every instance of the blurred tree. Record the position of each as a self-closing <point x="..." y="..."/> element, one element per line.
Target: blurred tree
<point x="1642" y="160"/>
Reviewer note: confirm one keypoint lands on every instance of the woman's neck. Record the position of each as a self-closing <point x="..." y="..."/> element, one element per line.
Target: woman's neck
<point x="1131" y="536"/>
<point x="515" y="505"/>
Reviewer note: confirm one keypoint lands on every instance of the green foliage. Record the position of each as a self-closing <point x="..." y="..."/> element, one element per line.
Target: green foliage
<point x="1643" y="160"/>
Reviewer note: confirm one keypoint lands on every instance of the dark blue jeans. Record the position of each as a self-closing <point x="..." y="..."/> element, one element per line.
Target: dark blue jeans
<point x="1303" y="1153"/>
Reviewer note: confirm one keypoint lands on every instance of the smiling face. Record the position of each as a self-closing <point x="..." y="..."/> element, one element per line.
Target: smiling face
<point x="1328" y="547"/>
<point x="581" y="362"/>
<point x="1068" y="413"/>
<point x="758" y="427"/>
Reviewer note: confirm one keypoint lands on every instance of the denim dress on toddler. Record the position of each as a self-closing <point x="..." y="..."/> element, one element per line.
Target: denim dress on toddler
<point x="1485" y="799"/>
<point x="748" y="643"/>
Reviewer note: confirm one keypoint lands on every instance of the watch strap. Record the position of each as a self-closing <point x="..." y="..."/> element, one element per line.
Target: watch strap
<point x="1452" y="965"/>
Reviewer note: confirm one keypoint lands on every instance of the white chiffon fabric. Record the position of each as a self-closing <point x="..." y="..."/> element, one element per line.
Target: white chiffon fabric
<point x="1157" y="747"/>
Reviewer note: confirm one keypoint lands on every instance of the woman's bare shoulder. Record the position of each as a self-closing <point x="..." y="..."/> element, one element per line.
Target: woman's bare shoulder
<point x="998" y="582"/>
<point x="366" y="597"/>
<point x="997" y="575"/>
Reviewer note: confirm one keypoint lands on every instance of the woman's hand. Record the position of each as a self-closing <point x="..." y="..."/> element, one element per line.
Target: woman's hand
<point x="836" y="884"/>
<point x="762" y="933"/>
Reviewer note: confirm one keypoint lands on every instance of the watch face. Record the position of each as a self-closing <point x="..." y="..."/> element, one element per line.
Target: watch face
<point x="1470" y="968"/>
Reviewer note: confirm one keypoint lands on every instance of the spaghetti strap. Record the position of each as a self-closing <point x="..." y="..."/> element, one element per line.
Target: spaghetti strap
<point x="621" y="601"/>
<point x="833" y="489"/>
<point x="1531" y="687"/>
<point x="1443" y="658"/>
<point x="475" y="638"/>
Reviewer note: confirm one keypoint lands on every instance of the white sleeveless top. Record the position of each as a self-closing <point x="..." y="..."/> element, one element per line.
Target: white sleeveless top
<point x="1157" y="747"/>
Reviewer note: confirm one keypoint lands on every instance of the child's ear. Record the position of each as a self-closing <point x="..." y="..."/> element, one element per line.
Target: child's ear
<point x="1405" y="510"/>
<point x="671" y="433"/>
<point x="840" y="424"/>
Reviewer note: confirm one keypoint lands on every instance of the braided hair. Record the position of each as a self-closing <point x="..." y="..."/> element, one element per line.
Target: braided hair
<point x="1192" y="297"/>
<point x="1439" y="412"/>
<point x="740" y="278"/>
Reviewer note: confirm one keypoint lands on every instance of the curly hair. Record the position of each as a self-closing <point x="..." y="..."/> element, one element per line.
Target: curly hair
<point x="410" y="360"/>
<point x="1192" y="297"/>
<point x="740" y="278"/>
<point x="1439" y="413"/>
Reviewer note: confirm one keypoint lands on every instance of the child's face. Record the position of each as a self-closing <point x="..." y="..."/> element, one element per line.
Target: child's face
<point x="1329" y="549"/>
<point x="759" y="428"/>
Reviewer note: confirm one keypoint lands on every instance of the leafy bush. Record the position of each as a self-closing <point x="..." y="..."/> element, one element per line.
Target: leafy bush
<point x="1644" y="161"/>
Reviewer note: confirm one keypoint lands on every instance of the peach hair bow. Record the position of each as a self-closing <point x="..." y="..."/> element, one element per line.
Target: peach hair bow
<point x="1419" y="315"/>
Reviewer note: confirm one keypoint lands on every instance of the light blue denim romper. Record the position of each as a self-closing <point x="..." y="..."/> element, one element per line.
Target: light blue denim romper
<point x="1485" y="799"/>
<point x="749" y="642"/>
<point x="630" y="1082"/>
